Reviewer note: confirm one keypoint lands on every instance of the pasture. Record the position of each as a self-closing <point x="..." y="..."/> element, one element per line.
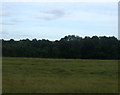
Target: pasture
<point x="43" y="75"/>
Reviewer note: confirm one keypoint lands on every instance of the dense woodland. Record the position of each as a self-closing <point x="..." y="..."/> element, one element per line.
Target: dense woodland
<point x="70" y="46"/>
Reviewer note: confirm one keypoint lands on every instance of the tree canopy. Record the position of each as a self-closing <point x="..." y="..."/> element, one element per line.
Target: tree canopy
<point x="70" y="46"/>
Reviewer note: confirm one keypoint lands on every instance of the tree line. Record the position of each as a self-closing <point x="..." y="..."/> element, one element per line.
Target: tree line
<point x="70" y="46"/>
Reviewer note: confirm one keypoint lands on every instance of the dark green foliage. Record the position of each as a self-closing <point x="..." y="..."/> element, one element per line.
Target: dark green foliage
<point x="70" y="46"/>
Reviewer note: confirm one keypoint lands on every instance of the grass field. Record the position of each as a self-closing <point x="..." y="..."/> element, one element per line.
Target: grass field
<point x="38" y="75"/>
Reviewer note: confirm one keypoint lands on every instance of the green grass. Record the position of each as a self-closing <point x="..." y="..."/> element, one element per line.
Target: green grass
<point x="40" y="75"/>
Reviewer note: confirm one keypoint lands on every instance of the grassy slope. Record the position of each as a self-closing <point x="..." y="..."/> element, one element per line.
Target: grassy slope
<point x="37" y="75"/>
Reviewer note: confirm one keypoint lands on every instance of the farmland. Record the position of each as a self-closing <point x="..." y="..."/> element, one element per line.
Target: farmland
<point x="44" y="75"/>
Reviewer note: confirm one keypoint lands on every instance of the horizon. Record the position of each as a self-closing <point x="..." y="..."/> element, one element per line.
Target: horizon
<point x="57" y="39"/>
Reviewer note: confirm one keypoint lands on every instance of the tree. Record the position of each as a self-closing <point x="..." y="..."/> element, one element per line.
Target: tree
<point x="70" y="46"/>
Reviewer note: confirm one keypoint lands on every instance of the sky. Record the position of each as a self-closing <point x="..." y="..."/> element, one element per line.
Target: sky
<point x="54" y="20"/>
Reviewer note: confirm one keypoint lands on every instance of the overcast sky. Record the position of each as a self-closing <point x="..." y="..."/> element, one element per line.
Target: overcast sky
<point x="55" y="20"/>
